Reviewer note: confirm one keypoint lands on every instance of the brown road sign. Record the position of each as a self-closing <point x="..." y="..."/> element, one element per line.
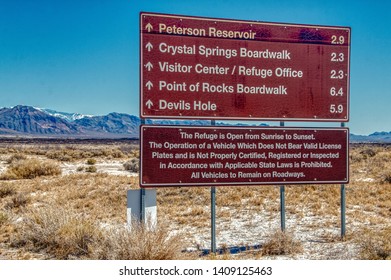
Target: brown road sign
<point x="194" y="67"/>
<point x="205" y="156"/>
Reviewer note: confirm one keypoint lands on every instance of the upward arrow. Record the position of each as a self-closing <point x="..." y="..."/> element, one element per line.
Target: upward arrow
<point x="149" y="104"/>
<point x="149" y="27"/>
<point x="149" y="85"/>
<point x="149" y="66"/>
<point x="149" y="46"/>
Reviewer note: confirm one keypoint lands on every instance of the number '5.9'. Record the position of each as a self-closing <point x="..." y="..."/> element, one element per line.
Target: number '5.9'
<point x="336" y="109"/>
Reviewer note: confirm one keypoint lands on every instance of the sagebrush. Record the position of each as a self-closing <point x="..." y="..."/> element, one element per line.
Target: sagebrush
<point x="65" y="234"/>
<point x="30" y="169"/>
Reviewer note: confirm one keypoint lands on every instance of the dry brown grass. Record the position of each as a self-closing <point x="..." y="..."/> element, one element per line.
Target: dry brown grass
<point x="18" y="201"/>
<point x="57" y="231"/>
<point x="66" y="234"/>
<point x="30" y="169"/>
<point x="375" y="244"/>
<point x="65" y="150"/>
<point x="16" y="157"/>
<point x="100" y="196"/>
<point x="172" y="201"/>
<point x="100" y="200"/>
<point x="3" y="218"/>
<point x="6" y="191"/>
<point x="71" y="154"/>
<point x="281" y="243"/>
<point x="140" y="243"/>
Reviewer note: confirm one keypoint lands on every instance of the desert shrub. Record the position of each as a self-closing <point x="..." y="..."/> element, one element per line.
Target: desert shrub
<point x="91" y="169"/>
<point x="117" y="153"/>
<point x="61" y="155"/>
<point x="65" y="234"/>
<point x="386" y="178"/>
<point x="281" y="243"/>
<point x="135" y="153"/>
<point x="368" y="153"/>
<point x="3" y="218"/>
<point x="355" y="157"/>
<point x="113" y="153"/>
<point x="132" y="165"/>
<point x="16" y="157"/>
<point x="66" y="158"/>
<point x="375" y="245"/>
<point x="80" y="168"/>
<point x="6" y="191"/>
<point x="17" y="201"/>
<point x="60" y="232"/>
<point x="140" y="243"/>
<point x="86" y="154"/>
<point x="91" y="161"/>
<point x="31" y="168"/>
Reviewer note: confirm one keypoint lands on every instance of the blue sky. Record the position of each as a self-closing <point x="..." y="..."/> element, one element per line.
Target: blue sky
<point x="83" y="56"/>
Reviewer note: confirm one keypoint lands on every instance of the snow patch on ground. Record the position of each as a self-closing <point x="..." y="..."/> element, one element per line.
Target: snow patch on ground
<point x="112" y="167"/>
<point x="322" y="243"/>
<point x="365" y="180"/>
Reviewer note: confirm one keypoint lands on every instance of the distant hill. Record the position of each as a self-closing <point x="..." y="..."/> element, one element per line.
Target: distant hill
<point x="27" y="121"/>
<point x="380" y="137"/>
<point x="30" y="121"/>
<point x="111" y="124"/>
<point x="377" y="137"/>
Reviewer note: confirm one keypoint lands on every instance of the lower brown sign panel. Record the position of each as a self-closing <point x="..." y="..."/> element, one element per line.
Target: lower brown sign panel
<point x="205" y="156"/>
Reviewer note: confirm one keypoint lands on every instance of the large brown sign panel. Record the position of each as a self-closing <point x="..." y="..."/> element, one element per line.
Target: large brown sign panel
<point x="205" y="156"/>
<point x="207" y="68"/>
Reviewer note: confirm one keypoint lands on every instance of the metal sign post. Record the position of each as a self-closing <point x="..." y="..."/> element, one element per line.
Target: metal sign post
<point x="142" y="195"/>
<point x="213" y="211"/>
<point x="213" y="218"/>
<point x="282" y="200"/>
<point x="142" y="205"/>
<point x="343" y="206"/>
<point x="343" y="210"/>
<point x="282" y="206"/>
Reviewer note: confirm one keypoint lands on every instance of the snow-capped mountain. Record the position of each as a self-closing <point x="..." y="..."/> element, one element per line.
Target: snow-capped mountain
<point x="29" y="121"/>
<point x="70" y="117"/>
<point x="26" y="120"/>
<point x="36" y="122"/>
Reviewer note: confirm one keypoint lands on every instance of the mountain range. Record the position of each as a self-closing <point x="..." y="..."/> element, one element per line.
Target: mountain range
<point x="27" y="121"/>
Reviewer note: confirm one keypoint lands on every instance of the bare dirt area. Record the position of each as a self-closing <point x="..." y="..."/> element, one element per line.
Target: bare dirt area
<point x="67" y="200"/>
